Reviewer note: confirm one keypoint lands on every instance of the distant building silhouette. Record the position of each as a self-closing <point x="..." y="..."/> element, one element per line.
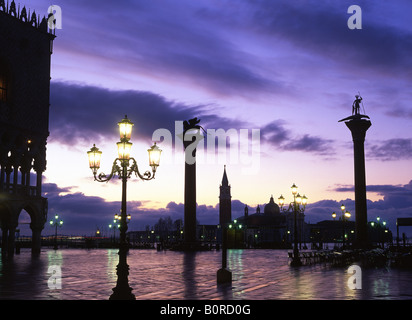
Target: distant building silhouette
<point x="271" y="228"/>
<point x="25" y="55"/>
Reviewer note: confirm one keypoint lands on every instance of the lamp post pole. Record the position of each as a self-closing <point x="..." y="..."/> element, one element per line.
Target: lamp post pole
<point x="128" y="165"/>
<point x="296" y="259"/>
<point x="345" y="216"/>
<point x="114" y="226"/>
<point x="122" y="289"/>
<point x="296" y="206"/>
<point x="56" y="224"/>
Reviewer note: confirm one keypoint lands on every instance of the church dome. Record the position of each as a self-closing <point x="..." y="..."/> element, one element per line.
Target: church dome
<point x="271" y="208"/>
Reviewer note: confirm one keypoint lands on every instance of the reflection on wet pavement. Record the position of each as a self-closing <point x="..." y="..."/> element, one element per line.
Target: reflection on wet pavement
<point x="165" y="275"/>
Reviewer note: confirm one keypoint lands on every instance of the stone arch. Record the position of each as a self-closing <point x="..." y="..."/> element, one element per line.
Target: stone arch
<point x="35" y="212"/>
<point x="24" y="221"/>
<point x="9" y="217"/>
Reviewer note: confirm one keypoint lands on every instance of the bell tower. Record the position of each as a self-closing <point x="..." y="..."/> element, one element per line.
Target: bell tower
<point x="225" y="201"/>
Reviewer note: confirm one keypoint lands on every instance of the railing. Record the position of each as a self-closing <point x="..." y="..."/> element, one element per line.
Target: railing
<point x="30" y="191"/>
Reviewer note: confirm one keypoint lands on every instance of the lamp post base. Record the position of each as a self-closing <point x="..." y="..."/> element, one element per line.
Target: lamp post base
<point x="296" y="262"/>
<point x="122" y="291"/>
<point x="224" y="276"/>
<point x="122" y="294"/>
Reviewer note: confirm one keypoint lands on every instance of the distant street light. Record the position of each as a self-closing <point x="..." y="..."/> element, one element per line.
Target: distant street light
<point x="381" y="232"/>
<point x="115" y="225"/>
<point x="345" y="216"/>
<point x="56" y="223"/>
<point x="122" y="168"/>
<point x="298" y="206"/>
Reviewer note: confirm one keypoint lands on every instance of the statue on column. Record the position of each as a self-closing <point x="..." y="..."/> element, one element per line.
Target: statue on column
<point x="356" y="115"/>
<point x="191" y="124"/>
<point x="356" y="105"/>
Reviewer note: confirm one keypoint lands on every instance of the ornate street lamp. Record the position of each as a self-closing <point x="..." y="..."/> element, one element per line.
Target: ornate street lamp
<point x="115" y="225"/>
<point x="298" y="206"/>
<point x="118" y="217"/>
<point x="56" y="223"/>
<point x="123" y="166"/>
<point x="345" y="216"/>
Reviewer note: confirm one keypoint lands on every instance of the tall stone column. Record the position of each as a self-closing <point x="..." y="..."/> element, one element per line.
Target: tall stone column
<point x="358" y="126"/>
<point x="191" y="136"/>
<point x="36" y="240"/>
<point x="190" y="203"/>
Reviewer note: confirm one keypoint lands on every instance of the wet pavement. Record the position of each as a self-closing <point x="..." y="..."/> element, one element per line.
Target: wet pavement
<point x="81" y="274"/>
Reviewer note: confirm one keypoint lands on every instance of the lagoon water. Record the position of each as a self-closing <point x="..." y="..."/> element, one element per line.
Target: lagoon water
<point x="169" y="275"/>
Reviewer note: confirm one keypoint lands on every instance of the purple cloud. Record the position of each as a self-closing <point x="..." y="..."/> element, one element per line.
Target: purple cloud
<point x="391" y="149"/>
<point x="323" y="30"/>
<point x="87" y="113"/>
<point x="277" y="135"/>
<point x="396" y="202"/>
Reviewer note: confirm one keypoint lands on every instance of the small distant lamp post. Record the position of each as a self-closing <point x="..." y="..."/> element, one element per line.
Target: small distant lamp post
<point x="381" y="232"/>
<point x="123" y="167"/>
<point x="117" y="222"/>
<point x="345" y="216"/>
<point x="56" y="223"/>
<point x="298" y="206"/>
<point x="115" y="225"/>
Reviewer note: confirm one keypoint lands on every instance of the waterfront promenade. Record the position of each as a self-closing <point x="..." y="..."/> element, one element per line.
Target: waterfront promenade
<point x="169" y="275"/>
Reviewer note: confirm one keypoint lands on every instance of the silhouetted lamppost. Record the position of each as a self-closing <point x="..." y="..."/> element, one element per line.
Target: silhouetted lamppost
<point x="115" y="225"/>
<point x="345" y="216"/>
<point x="123" y="167"/>
<point x="56" y="223"/>
<point x="298" y="206"/>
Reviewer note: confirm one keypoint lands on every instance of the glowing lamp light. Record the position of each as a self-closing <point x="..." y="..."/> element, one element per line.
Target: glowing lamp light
<point x="304" y="200"/>
<point x="347" y="214"/>
<point x="125" y="129"/>
<point x="298" y="199"/>
<point x="342" y="207"/>
<point x="294" y="189"/>
<point x="95" y="156"/>
<point x="281" y="200"/>
<point x="154" y="156"/>
<point x="123" y="150"/>
<point x="333" y="215"/>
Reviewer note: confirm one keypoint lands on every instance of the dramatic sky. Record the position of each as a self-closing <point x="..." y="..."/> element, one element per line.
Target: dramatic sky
<point x="287" y="69"/>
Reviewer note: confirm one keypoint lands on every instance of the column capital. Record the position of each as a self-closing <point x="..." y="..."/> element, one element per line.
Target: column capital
<point x="358" y="128"/>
